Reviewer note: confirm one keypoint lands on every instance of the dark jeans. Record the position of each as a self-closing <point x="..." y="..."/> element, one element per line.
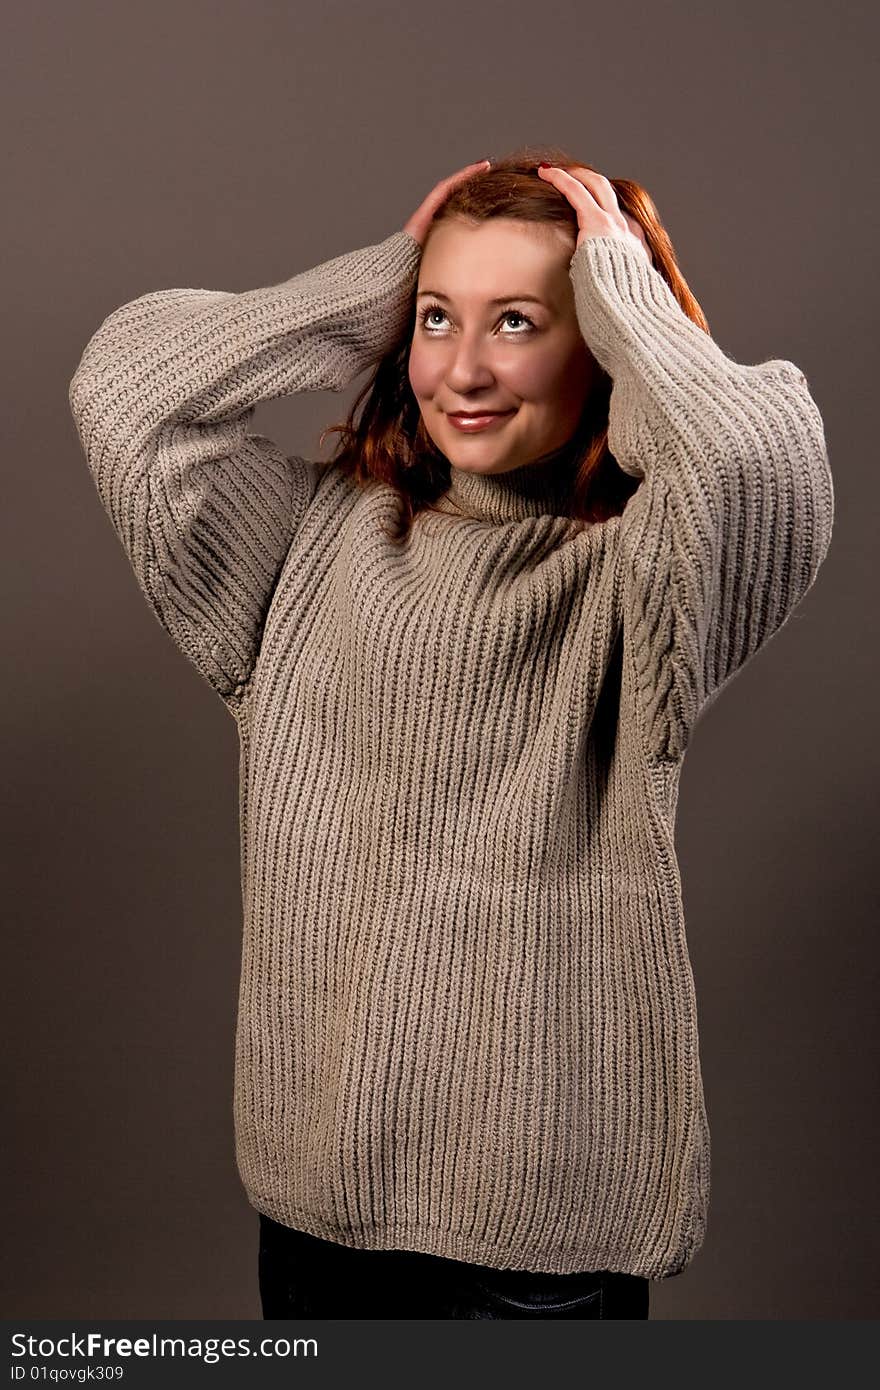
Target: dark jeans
<point x="302" y="1276"/>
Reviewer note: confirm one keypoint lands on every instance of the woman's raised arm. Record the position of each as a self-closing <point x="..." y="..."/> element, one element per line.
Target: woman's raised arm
<point x="733" y="519"/>
<point x="162" y="399"/>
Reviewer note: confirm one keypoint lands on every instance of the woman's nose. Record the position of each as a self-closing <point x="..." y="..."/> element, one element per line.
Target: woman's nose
<point x="469" y="367"/>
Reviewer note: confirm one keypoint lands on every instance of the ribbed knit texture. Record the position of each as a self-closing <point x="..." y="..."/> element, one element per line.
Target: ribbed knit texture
<point x="467" y="1022"/>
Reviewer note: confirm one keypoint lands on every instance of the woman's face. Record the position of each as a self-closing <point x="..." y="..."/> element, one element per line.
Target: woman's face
<point x="496" y="330"/>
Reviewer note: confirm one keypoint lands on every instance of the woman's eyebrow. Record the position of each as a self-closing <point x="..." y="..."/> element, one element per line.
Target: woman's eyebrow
<point x="532" y="298"/>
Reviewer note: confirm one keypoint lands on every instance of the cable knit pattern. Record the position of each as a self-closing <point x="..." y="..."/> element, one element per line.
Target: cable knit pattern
<point x="467" y="1022"/>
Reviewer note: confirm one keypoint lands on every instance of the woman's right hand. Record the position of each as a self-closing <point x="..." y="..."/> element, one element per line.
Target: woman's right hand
<point x="418" y="224"/>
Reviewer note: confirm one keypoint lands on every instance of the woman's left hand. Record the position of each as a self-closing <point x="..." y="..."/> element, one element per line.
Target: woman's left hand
<point x="594" y="200"/>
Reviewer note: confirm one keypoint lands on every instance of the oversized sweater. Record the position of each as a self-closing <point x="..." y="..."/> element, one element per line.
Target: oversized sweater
<point x="467" y="1021"/>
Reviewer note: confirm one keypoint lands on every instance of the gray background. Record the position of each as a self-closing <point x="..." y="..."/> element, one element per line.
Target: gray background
<point x="230" y="145"/>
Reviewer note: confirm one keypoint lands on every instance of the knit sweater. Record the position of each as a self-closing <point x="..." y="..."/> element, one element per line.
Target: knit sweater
<point x="467" y="1021"/>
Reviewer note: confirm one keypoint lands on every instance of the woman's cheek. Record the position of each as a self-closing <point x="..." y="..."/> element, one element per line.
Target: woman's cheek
<point x="536" y="376"/>
<point x="423" y="374"/>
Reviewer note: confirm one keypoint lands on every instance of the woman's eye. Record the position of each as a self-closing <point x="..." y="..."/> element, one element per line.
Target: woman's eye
<point x="508" y="314"/>
<point x="515" y="314"/>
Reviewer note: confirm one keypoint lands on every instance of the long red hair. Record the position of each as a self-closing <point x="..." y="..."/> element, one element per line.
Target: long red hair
<point x="384" y="437"/>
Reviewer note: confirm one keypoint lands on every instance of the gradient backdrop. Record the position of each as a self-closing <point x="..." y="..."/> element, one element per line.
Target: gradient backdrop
<point x="229" y="145"/>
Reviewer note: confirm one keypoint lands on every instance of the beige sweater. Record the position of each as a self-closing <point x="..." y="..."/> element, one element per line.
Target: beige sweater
<point x="467" y="1022"/>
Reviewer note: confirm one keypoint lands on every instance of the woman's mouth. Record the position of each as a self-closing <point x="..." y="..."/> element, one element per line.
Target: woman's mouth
<point x="469" y="423"/>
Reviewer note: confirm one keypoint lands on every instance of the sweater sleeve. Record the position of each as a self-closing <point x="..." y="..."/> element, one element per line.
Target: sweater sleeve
<point x="162" y="399"/>
<point x="732" y="520"/>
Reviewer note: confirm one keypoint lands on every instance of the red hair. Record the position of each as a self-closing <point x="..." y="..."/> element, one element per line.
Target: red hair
<point x="388" y="442"/>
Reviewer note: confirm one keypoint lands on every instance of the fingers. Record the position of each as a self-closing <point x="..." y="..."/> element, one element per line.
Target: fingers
<point x="600" y="188"/>
<point x="468" y="170"/>
<point x="582" y="199"/>
<point x="594" y="199"/>
<point x="439" y="193"/>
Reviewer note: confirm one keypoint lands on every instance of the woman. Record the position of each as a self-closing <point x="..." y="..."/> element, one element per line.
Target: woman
<point x="465" y="660"/>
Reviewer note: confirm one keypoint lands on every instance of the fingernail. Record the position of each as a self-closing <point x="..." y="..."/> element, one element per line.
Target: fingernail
<point x="545" y="165"/>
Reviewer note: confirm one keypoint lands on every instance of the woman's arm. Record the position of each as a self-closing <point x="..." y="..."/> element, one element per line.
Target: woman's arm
<point x="728" y="530"/>
<point x="162" y="399"/>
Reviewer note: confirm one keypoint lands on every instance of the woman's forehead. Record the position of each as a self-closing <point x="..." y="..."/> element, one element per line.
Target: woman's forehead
<point x="494" y="261"/>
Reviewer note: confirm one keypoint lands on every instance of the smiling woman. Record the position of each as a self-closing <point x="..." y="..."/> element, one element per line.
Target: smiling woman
<point x="496" y="318"/>
<point x="467" y="1027"/>
<point x="480" y="351"/>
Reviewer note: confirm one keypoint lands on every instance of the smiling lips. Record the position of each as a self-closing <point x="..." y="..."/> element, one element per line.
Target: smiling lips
<point x="469" y="421"/>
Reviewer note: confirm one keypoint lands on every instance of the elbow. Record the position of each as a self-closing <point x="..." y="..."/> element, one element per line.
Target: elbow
<point x="807" y="450"/>
<point x="789" y="439"/>
<point x="820" y="501"/>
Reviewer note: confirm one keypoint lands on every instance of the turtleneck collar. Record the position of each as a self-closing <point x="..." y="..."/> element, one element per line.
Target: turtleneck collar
<point x="540" y="488"/>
